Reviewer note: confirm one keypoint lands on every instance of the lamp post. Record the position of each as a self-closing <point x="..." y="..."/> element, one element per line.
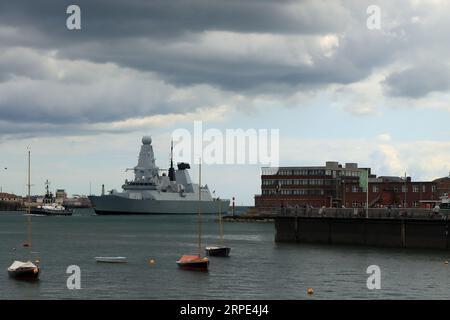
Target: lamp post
<point x="1" y="187"/>
<point x="278" y="192"/>
<point x="404" y="203"/>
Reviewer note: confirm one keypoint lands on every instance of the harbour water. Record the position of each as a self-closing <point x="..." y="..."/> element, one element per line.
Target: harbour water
<point x="258" y="268"/>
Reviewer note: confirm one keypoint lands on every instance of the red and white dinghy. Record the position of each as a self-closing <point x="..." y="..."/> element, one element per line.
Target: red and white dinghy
<point x="193" y="262"/>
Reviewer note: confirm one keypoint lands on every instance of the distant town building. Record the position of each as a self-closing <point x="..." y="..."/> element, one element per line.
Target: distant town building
<point x="9" y="201"/>
<point x="442" y="186"/>
<point x="60" y="194"/>
<point x="10" y="197"/>
<point x="336" y="185"/>
<point x="77" y="202"/>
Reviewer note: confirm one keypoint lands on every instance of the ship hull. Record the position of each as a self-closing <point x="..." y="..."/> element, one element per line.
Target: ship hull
<point x="24" y="274"/>
<point x="116" y="205"/>
<point x="47" y="212"/>
<point x="218" y="251"/>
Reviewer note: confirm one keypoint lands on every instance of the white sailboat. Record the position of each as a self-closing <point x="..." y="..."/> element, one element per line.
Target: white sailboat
<point x="26" y="270"/>
<point x="219" y="250"/>
<point x="190" y="261"/>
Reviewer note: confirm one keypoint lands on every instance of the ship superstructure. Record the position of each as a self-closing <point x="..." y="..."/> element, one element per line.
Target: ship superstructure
<point x="153" y="193"/>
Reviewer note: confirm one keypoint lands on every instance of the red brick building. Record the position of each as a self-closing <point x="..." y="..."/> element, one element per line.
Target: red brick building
<point x="9" y="197"/>
<point x="393" y="191"/>
<point x="442" y="186"/>
<point x="337" y="185"/>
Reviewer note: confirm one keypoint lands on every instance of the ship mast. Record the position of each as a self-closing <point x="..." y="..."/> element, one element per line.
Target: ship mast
<point x="171" y="169"/>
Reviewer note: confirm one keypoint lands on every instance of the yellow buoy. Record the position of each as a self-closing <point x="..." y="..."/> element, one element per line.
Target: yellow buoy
<point x="445" y="262"/>
<point x="310" y="291"/>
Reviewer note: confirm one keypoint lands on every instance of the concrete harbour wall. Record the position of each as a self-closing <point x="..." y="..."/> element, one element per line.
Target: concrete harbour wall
<point x="384" y="232"/>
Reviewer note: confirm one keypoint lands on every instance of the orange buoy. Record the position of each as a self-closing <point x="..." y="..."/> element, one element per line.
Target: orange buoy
<point x="151" y="261"/>
<point x="310" y="291"/>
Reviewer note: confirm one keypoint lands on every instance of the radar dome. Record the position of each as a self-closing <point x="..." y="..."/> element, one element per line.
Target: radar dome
<point x="146" y="140"/>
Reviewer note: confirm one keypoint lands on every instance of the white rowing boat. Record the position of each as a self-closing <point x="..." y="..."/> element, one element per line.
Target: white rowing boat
<point x="111" y="259"/>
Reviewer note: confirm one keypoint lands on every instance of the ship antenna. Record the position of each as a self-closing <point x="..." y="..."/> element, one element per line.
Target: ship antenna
<point x="46" y="187"/>
<point x="171" y="153"/>
<point x="171" y="169"/>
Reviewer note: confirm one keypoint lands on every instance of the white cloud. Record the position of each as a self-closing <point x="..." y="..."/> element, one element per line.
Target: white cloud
<point x="384" y="137"/>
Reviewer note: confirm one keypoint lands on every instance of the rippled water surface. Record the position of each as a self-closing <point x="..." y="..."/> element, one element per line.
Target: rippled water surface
<point x="258" y="268"/>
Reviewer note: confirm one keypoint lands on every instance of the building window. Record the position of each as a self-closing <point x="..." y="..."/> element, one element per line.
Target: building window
<point x="416" y="204"/>
<point x="424" y="188"/>
<point x="354" y="203"/>
<point x="395" y="189"/>
<point x="404" y="189"/>
<point x="355" y="189"/>
<point x="433" y="189"/>
<point x="415" y="188"/>
<point x="375" y="189"/>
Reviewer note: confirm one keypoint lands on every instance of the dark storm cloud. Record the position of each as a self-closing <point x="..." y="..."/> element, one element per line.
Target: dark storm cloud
<point x="138" y="58"/>
<point x="418" y="81"/>
<point x="115" y="31"/>
<point x="114" y="19"/>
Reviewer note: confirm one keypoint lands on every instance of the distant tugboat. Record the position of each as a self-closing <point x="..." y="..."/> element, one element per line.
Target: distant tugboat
<point x="26" y="270"/>
<point x="50" y="207"/>
<point x="219" y="250"/>
<point x="196" y="262"/>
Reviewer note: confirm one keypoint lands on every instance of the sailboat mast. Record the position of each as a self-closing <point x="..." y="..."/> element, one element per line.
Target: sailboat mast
<point x="220" y="222"/>
<point x="199" y="203"/>
<point x="29" y="198"/>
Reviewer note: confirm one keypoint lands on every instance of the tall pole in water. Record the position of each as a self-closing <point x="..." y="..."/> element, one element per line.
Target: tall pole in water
<point x="367" y="193"/>
<point x="29" y="198"/>
<point x="199" y="203"/>
<point x="220" y="222"/>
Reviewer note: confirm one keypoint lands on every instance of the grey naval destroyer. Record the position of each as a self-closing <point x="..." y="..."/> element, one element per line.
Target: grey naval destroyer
<point x="153" y="193"/>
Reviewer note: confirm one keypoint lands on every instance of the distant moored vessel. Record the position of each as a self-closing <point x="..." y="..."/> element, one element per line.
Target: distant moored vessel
<point x="49" y="206"/>
<point x="153" y="193"/>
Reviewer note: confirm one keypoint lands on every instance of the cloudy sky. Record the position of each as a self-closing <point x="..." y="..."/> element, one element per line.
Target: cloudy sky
<point x="336" y="90"/>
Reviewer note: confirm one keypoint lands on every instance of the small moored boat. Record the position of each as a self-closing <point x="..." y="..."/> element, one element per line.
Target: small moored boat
<point x="111" y="259"/>
<point x="193" y="262"/>
<point x="218" y="251"/>
<point x="196" y="262"/>
<point x="24" y="270"/>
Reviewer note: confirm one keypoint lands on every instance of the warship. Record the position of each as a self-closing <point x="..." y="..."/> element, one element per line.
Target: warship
<point x="153" y="192"/>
